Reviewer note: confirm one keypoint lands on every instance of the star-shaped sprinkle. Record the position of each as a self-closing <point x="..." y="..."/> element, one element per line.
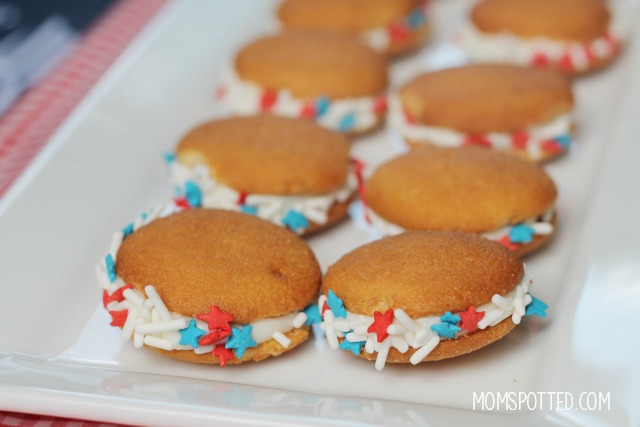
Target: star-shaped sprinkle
<point x="551" y="146"/>
<point x="536" y="308"/>
<point x="347" y="122"/>
<point x="469" y="319"/>
<point x="445" y="329"/>
<point x="519" y="139"/>
<point x="398" y="31"/>
<point x="380" y="324"/>
<point x="127" y="230"/>
<point x="521" y="233"/>
<point x="251" y="210"/>
<point x="216" y="318"/>
<point x="268" y="100"/>
<point x="540" y="60"/>
<point x="308" y="111"/>
<point x="325" y="307"/>
<point x="117" y="295"/>
<point x="353" y="347"/>
<point x="336" y="305"/>
<point x="118" y="317"/>
<point x="223" y="354"/>
<point x="295" y="221"/>
<point x="181" y="202"/>
<point x="450" y="318"/>
<point x="111" y="268"/>
<point x="564" y="140"/>
<point x="479" y="140"/>
<point x="566" y="63"/>
<point x="322" y="105"/>
<point x="415" y="19"/>
<point x="193" y="194"/>
<point x="169" y="157"/>
<point x="380" y="105"/>
<point x="214" y="336"/>
<point x="191" y="334"/>
<point x="313" y="315"/>
<point x="506" y="242"/>
<point x="241" y="340"/>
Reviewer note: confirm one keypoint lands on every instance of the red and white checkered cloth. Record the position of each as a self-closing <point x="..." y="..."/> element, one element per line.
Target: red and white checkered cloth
<point x="31" y="122"/>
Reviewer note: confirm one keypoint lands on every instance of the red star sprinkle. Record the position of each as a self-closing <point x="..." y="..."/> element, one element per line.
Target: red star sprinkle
<point x="380" y="105"/>
<point x="588" y="51"/>
<point x="540" y="60"/>
<point x="216" y="318"/>
<point x="505" y="241"/>
<point x="268" y="100"/>
<point x="215" y="336"/>
<point x="182" y="203"/>
<point x="117" y="295"/>
<point x="613" y="43"/>
<point x="242" y="197"/>
<point x="325" y="307"/>
<point x="119" y="317"/>
<point x="551" y="146"/>
<point x="380" y="324"/>
<point x="408" y="117"/>
<point x="479" y="140"/>
<point x="566" y="64"/>
<point x="519" y="139"/>
<point x="308" y="111"/>
<point x="223" y="354"/>
<point x="398" y="32"/>
<point x="469" y="319"/>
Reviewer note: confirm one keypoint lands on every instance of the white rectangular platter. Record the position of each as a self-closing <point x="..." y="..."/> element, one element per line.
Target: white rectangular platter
<point x="58" y="354"/>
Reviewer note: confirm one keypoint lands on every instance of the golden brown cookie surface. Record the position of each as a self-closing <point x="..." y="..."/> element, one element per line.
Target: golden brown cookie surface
<point x="426" y="273"/>
<point x="269" y="155"/>
<point x="468" y="189"/>
<point x="481" y="98"/>
<point x="312" y="64"/>
<point x="349" y="16"/>
<point x="574" y="20"/>
<point x="203" y="257"/>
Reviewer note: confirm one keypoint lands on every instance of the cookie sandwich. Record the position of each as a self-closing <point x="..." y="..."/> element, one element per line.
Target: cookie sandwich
<point x="572" y="36"/>
<point x="526" y="111"/>
<point x="330" y="78"/>
<point x="209" y="286"/>
<point x="291" y="172"/>
<point x="424" y="296"/>
<point x="391" y="27"/>
<point x="468" y="189"/>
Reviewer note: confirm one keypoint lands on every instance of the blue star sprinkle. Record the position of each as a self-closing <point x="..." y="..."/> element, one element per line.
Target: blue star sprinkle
<point x="521" y="233"/>
<point x="193" y="194"/>
<point x="313" y="315"/>
<point x="322" y="105"/>
<point x="241" y="340"/>
<point x="336" y="305"/>
<point x="445" y="330"/>
<point x="454" y="319"/>
<point x="564" y="140"/>
<point x="111" y="268"/>
<point x="536" y="308"/>
<point x="191" y="334"/>
<point x="415" y="19"/>
<point x="251" y="210"/>
<point x="295" y="221"/>
<point x="169" y="157"/>
<point x="127" y="230"/>
<point x="347" y="122"/>
<point x="353" y="347"/>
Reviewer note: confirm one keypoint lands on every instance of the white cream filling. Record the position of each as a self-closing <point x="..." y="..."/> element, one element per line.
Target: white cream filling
<point x="445" y="137"/>
<point x="243" y="98"/>
<point x="149" y="321"/>
<point x="270" y="207"/>
<point x="508" y="48"/>
<point x="541" y="225"/>
<point x="405" y="332"/>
